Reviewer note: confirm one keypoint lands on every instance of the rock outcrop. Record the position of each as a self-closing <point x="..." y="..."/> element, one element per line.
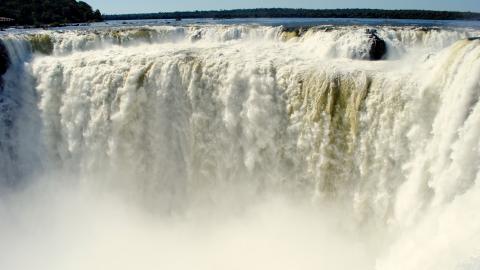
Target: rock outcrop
<point x="4" y="63"/>
<point x="377" y="46"/>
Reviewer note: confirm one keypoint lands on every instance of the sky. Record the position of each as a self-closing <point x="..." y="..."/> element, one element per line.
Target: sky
<point x="151" y="6"/>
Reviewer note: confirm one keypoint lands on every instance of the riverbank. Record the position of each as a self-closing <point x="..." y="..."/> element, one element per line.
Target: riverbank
<point x="302" y="13"/>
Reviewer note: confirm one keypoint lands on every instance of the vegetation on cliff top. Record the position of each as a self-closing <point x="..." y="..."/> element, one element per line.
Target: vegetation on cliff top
<point x="39" y="12"/>
<point x="304" y="13"/>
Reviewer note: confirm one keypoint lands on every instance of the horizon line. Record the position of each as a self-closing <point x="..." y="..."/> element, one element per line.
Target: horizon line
<point x="271" y="8"/>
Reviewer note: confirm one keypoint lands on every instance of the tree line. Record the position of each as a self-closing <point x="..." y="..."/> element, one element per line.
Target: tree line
<point x="303" y="13"/>
<point x="41" y="12"/>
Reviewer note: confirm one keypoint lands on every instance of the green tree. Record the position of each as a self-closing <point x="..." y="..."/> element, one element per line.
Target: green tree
<point x="33" y="12"/>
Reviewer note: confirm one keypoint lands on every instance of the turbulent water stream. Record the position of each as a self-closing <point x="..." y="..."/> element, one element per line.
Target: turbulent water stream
<point x="240" y="147"/>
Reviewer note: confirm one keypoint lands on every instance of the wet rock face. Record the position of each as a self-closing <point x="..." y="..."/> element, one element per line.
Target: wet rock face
<point x="4" y="63"/>
<point x="377" y="46"/>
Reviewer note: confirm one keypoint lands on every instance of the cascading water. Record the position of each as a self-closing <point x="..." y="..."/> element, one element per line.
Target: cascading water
<point x="19" y="120"/>
<point x="346" y="163"/>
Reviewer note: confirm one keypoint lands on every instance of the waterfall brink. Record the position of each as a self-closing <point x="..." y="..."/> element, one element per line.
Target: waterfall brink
<point x="195" y="121"/>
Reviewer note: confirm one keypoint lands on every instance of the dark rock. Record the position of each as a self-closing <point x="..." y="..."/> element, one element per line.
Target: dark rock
<point x="4" y="63"/>
<point x="293" y="32"/>
<point x="197" y="36"/>
<point x="473" y="38"/>
<point x="427" y="29"/>
<point x="377" y="46"/>
<point x="371" y="31"/>
<point x="4" y="59"/>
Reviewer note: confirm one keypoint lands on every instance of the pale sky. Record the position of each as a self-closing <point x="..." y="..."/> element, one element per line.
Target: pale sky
<point x="152" y="6"/>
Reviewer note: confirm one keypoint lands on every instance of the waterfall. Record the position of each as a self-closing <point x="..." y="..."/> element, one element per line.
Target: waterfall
<point x="198" y="117"/>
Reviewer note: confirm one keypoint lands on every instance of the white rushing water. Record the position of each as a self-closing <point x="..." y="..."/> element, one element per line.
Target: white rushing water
<point x="240" y="147"/>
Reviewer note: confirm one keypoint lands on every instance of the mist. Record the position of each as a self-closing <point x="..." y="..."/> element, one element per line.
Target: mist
<point x="65" y="227"/>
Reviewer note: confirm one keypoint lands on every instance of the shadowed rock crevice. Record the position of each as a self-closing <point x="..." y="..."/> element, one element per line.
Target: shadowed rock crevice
<point x="4" y="63"/>
<point x="377" y="46"/>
